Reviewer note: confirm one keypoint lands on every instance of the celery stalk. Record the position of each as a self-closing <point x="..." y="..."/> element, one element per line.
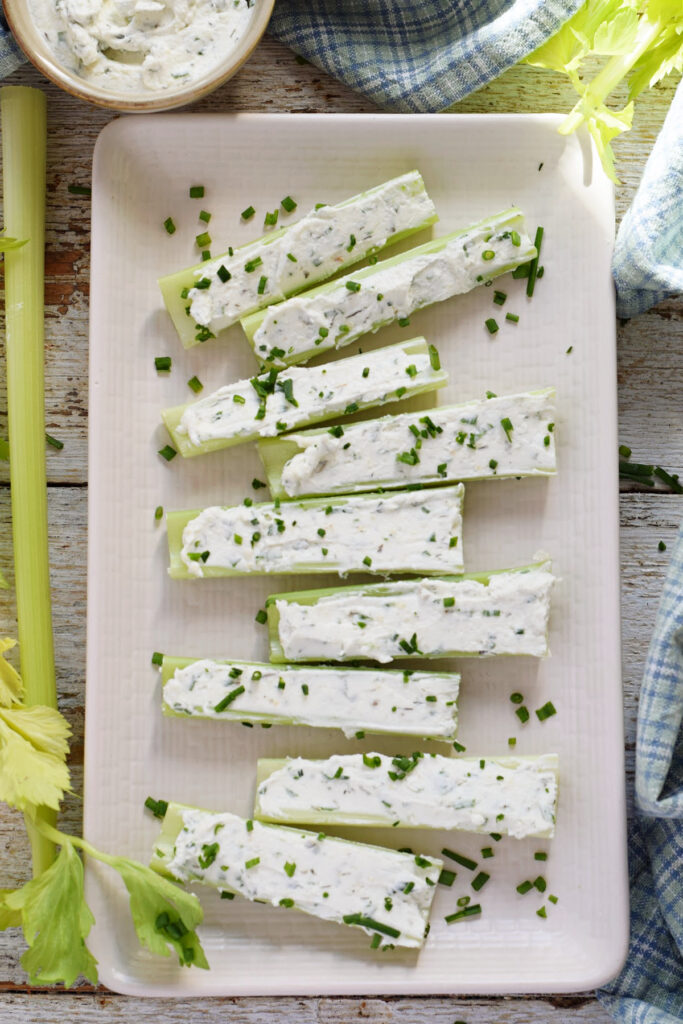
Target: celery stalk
<point x="439" y="269"/>
<point x="23" y="113"/>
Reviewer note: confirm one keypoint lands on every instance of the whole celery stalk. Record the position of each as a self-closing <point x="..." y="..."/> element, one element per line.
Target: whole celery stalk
<point x="24" y="132"/>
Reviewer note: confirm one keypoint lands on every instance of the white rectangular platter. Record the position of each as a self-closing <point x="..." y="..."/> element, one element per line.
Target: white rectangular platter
<point x="473" y="166"/>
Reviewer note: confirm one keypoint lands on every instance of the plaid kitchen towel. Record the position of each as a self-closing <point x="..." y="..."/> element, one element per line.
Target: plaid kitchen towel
<point x="10" y="54"/>
<point x="648" y="258"/>
<point x="649" y="990"/>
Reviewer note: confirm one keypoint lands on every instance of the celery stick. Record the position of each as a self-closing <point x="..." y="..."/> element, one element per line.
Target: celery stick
<point x="24" y="133"/>
<point x="515" y="796"/>
<point x="384" y="892"/>
<point x="477" y="614"/>
<point x="332" y="316"/>
<point x="406" y="531"/>
<point x="322" y="243"/>
<point x="268" y="405"/>
<point x="492" y="438"/>
<point x="421" y="704"/>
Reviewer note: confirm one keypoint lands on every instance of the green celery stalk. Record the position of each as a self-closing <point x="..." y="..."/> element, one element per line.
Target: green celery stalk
<point x="429" y="380"/>
<point x="502" y="223"/>
<point x="173" y="285"/>
<point x="24" y="133"/>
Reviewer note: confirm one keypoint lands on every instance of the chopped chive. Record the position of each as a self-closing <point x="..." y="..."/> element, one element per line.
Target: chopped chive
<point x="248" y="213"/>
<point x="257" y="484"/>
<point x="661" y="546"/>
<point x="205" y="216"/>
<point x="292" y="258"/>
<point x="569" y="350"/>
<point x="366" y="371"/>
<point x="521" y="271"/>
<point x="288" y="204"/>
<point x="252" y="863"/>
<point x="261" y="616"/>
<point x="351" y="407"/>
<point x="196" y="191"/>
<point x="195" y="384"/>
<point x="522" y="713"/>
<point x="270" y="219"/>
<point x="79" y="190"/>
<point x="553" y="899"/>
<point x="540" y="855"/>
<point x="671" y="479"/>
<point x="507" y="426"/>
<point x="447" y="877"/>
<point x="524" y="887"/>
<point x="157" y="807"/>
<point x="488" y="254"/>
<point x="372" y="761"/>
<point x="370" y="923"/>
<point x="493" y="464"/>
<point x="290" y="868"/>
<point x="286" y="901"/>
<point x="336" y="431"/>
<point x="162" y="363"/>
<point x="459" y="915"/>
<point x="167" y="452"/>
<point x="159" y="512"/>
<point x="512" y="318"/>
<point x="533" y="269"/>
<point x="448" y="602"/>
<point x="251" y="265"/>
<point x="229" y="698"/>
<point x="542" y="912"/>
<point x="223" y="273"/>
<point x="353" y="286"/>
<point x="157" y="658"/>
<point x="170" y="225"/>
<point x="202" y="283"/>
<point x="491" y="325"/>
<point x="512" y="741"/>
<point x="458" y="747"/>
<point x="547" y="711"/>
<point x="54" y="442"/>
<point x="499" y="298"/>
<point x="411" y="370"/>
<point x="517" y="698"/>
<point x="480" y="880"/>
<point x="464" y="862"/>
<point x="496" y="836"/>
<point x="442" y="468"/>
<point x="515" y="238"/>
<point x="403" y="321"/>
<point x="486" y="852"/>
<point x="352" y="243"/>
<point x="202" y="240"/>
<point x="263" y="281"/>
<point x="376" y="941"/>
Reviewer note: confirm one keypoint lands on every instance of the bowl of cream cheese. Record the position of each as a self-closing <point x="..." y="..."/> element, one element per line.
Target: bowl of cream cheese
<point x="141" y="55"/>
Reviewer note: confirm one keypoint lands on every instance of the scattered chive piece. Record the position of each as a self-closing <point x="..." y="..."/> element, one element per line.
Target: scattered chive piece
<point x="540" y="855"/>
<point x="286" y="901"/>
<point x="499" y="298"/>
<point x="480" y="880"/>
<point x="167" y="452"/>
<point x="229" y="698"/>
<point x="79" y="190"/>
<point x="252" y="863"/>
<point x="353" y="286"/>
<point x="661" y="546"/>
<point x="195" y="384"/>
<point x="261" y="616"/>
<point x="547" y="711"/>
<point x="196" y="191"/>
<point x="170" y="225"/>
<point x="540" y="883"/>
<point x="290" y="868"/>
<point x="512" y="317"/>
<point x="205" y="216"/>
<point x="251" y="265"/>
<point x="448" y="602"/>
<point x="248" y="213"/>
<point x="157" y="658"/>
<point x="257" y="484"/>
<point x="292" y="258"/>
<point x="376" y="941"/>
<point x="493" y="464"/>
<point x="464" y="862"/>
<point x="671" y="479"/>
<point x="404" y="321"/>
<point x="54" y="442"/>
<point x="458" y="747"/>
<point x="496" y="836"/>
<point x="162" y="363"/>
<point x="516" y="698"/>
<point x="522" y="713"/>
<point x="206" y="255"/>
<point x="159" y="512"/>
<point x="488" y="254"/>
<point x="524" y="887"/>
<point x="553" y="899"/>
<point x="203" y="239"/>
<point x="624" y="451"/>
<point x="486" y="852"/>
<point x="533" y="269"/>
<point x="512" y="741"/>
<point x="459" y="915"/>
<point x="434" y="360"/>
<point x="157" y="807"/>
<point x="263" y="281"/>
<point x="369" y="922"/>
<point x="491" y="325"/>
<point x="360" y="735"/>
<point x="521" y="271"/>
<point x="447" y="877"/>
<point x="507" y="426"/>
<point x="542" y="912"/>
<point x="366" y="372"/>
<point x="270" y="219"/>
<point x="223" y="273"/>
<point x="288" y="204"/>
<point x="569" y="350"/>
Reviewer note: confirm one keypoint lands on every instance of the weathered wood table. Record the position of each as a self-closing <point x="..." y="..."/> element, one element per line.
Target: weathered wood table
<point x="651" y="423"/>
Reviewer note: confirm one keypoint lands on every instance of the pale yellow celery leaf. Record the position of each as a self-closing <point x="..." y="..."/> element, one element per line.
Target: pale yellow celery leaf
<point x="566" y="49"/>
<point x="163" y="914"/>
<point x="8" y="918"/>
<point x="45" y="728"/>
<point x="56" y="922"/>
<point x="604" y="125"/>
<point x="30" y="776"/>
<point x="618" y="34"/>
<point x="657" y="63"/>
<point x="11" y="686"/>
<point x="7" y="244"/>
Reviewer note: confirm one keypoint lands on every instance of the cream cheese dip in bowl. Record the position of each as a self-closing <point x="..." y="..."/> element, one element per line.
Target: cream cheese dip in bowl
<point x="138" y="55"/>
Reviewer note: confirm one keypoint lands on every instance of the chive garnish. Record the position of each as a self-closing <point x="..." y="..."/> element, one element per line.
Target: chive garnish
<point x="521" y="271"/>
<point x="162" y="363"/>
<point x="248" y="213"/>
<point x="304" y="689"/>
<point x="251" y="265"/>
<point x="157" y="658"/>
<point x="524" y="887"/>
<point x="369" y="922"/>
<point x="229" y="698"/>
<point x="351" y="407"/>
<point x="223" y="273"/>
<point x="159" y="512"/>
<point x="448" y="602"/>
<point x="167" y="452"/>
<point x="372" y="760"/>
<point x="261" y="616"/>
<point x="170" y="226"/>
<point x="196" y="191"/>
<point x="403" y="321"/>
<point x="208" y="854"/>
<point x="263" y="281"/>
<point x="499" y="298"/>
<point x="459" y="915"/>
<point x="203" y="282"/>
<point x="491" y="325"/>
<point x="286" y="901"/>
<point x="480" y="880"/>
<point x="541" y="912"/>
<point x="464" y="862"/>
<point x="512" y="318"/>
<point x="553" y="899"/>
<point x="157" y="807"/>
<point x="458" y="748"/>
<point x="54" y="442"/>
<point x="547" y="711"/>
<point x="79" y="190"/>
<point x="540" y="855"/>
<point x="270" y="219"/>
<point x="533" y="268"/>
<point x="290" y="868"/>
<point x="522" y="713"/>
<point x="507" y="426"/>
<point x="376" y="941"/>
<point x="486" y="852"/>
<point x="202" y="240"/>
<point x="446" y="877"/>
<point x="195" y="384"/>
<point x="336" y="431"/>
<point x="353" y="286"/>
<point x="661" y="546"/>
<point x="352" y="243"/>
<point x="252" y="863"/>
<point x="288" y="204"/>
<point x="516" y="698"/>
<point x="540" y="883"/>
<point x="366" y="371"/>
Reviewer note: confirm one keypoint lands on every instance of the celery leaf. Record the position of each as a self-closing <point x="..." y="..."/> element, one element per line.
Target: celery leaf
<point x="8" y="918"/>
<point x="33" y="746"/>
<point x="56" y="921"/>
<point x="163" y="914"/>
<point x="11" y="686"/>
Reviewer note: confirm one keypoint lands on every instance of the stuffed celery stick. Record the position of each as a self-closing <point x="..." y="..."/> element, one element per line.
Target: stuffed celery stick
<point x="419" y="704"/>
<point x="337" y="313"/>
<point x="271" y="404"/>
<point x="504" y="612"/>
<point x="204" y="299"/>
<point x="406" y="531"/>
<point x="385" y="892"/>
<point x="510" y="436"/>
<point x="515" y="796"/>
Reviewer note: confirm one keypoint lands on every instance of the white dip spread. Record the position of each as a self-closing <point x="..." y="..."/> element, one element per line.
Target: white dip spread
<point x="139" y="45"/>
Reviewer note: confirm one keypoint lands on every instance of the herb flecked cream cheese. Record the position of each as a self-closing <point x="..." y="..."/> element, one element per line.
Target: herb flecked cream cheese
<point x="138" y="45"/>
<point x="385" y="892"/>
<point x="500" y="613"/>
<point x="422" y="704"/>
<point x="515" y="796"/>
<point x="273" y="403"/>
<point x="496" y="437"/>
<point x="406" y="531"/>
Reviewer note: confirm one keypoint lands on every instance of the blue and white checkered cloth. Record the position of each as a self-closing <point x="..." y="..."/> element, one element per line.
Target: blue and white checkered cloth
<point x="425" y="56"/>
<point x="650" y="988"/>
